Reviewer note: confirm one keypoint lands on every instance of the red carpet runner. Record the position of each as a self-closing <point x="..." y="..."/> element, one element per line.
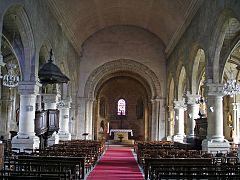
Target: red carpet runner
<point x="116" y="164"/>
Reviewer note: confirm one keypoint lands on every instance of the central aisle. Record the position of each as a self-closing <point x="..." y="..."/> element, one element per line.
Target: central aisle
<point x="116" y="164"/>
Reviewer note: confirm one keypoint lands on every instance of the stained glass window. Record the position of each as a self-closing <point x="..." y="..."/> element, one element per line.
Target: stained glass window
<point x="121" y="107"/>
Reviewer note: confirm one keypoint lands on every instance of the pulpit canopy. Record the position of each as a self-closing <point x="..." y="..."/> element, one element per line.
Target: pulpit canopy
<point x="49" y="73"/>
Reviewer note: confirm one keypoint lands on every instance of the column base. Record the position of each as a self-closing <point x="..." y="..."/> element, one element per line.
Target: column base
<point x="213" y="146"/>
<point x="64" y="136"/>
<point x="73" y="136"/>
<point x="178" y="138"/>
<point x="236" y="140"/>
<point x="169" y="138"/>
<point x="29" y="142"/>
<point x="53" y="140"/>
<point x="238" y="152"/>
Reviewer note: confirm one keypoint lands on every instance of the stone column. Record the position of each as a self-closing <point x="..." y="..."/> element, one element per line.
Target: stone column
<point x="179" y="108"/>
<point x="26" y="136"/>
<point x="50" y="102"/>
<point x="81" y="118"/>
<point x="154" y="124"/>
<point x="63" y="132"/>
<point x="236" y="116"/>
<point x="192" y="114"/>
<point x="158" y="119"/>
<point x="84" y="118"/>
<point x="1" y="64"/>
<point x="161" y="118"/>
<point x="73" y="122"/>
<point x="170" y="122"/>
<point x="215" y="140"/>
<point x="2" y="122"/>
<point x="89" y="118"/>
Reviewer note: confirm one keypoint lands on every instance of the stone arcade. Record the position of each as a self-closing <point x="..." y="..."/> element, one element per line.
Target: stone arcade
<point x="161" y="57"/>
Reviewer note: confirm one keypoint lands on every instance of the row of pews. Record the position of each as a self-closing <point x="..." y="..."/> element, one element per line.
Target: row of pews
<point x="68" y="160"/>
<point x="171" y="160"/>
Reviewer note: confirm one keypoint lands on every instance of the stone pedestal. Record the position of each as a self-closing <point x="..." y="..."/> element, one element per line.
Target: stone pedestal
<point x="238" y="152"/>
<point x="31" y="142"/>
<point x="178" y="138"/>
<point x="54" y="139"/>
<point x="213" y="146"/>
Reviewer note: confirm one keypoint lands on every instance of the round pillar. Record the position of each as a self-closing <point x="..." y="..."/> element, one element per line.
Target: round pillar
<point x="179" y="108"/>
<point x="63" y="107"/>
<point x="215" y="141"/>
<point x="192" y="114"/>
<point x="26" y="136"/>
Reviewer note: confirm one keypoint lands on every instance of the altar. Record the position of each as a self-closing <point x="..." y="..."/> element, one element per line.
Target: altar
<point x="120" y="133"/>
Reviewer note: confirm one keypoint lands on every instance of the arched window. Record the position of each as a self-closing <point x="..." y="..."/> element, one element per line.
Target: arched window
<point x="121" y="107"/>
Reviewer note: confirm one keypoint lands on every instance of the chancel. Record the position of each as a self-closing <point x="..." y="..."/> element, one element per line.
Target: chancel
<point x="86" y="86"/>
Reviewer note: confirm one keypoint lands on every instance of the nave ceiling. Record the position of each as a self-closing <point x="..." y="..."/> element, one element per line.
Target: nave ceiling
<point x="82" y="18"/>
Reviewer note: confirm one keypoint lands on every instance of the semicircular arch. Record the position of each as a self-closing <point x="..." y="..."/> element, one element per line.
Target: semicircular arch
<point x="123" y="67"/>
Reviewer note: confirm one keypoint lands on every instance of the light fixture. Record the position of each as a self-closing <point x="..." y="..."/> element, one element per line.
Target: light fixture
<point x="11" y="79"/>
<point x="231" y="87"/>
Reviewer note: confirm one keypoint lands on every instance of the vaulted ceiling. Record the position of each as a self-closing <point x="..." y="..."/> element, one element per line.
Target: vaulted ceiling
<point x="82" y="18"/>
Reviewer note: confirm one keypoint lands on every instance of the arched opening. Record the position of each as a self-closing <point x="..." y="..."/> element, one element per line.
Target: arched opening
<point x="128" y="69"/>
<point x="121" y="95"/>
<point x="11" y="49"/>
<point x="231" y="52"/>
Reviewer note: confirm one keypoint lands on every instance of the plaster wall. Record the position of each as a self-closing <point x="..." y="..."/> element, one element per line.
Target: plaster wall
<point x="122" y="42"/>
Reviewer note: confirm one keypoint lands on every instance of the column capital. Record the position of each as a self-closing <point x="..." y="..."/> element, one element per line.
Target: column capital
<point x="170" y="107"/>
<point x="158" y="99"/>
<point x="65" y="103"/>
<point x="192" y="98"/>
<point x="1" y="60"/>
<point x="50" y="98"/>
<point x="236" y="104"/>
<point x="179" y="104"/>
<point x="214" y="89"/>
<point x="28" y="87"/>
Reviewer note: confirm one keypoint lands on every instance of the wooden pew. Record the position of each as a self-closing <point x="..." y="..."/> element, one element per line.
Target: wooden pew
<point x="158" y="162"/>
<point x="13" y="174"/>
<point x="210" y="171"/>
<point x="78" y="162"/>
<point x="48" y="164"/>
